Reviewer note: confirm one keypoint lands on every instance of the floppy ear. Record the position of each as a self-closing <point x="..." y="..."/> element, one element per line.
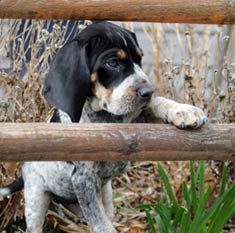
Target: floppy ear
<point x="67" y="83"/>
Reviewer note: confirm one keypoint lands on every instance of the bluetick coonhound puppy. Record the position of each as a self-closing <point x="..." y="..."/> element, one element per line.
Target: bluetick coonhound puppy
<point x="96" y="77"/>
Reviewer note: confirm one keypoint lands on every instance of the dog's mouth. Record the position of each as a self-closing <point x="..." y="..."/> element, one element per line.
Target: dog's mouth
<point x="133" y="100"/>
<point x="144" y="103"/>
<point x="125" y="110"/>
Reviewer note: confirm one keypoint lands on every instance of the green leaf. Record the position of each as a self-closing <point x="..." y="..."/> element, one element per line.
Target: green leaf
<point x="193" y="187"/>
<point x="150" y="221"/>
<point x="225" y="210"/>
<point x="201" y="177"/>
<point x="216" y="206"/>
<point x="165" y="210"/>
<point x="185" y="222"/>
<point x="162" y="226"/>
<point x="166" y="219"/>
<point x="224" y="179"/>
<point x="171" y="217"/>
<point x="196" y="224"/>
<point x="186" y="196"/>
<point x="167" y="185"/>
<point x="178" y="216"/>
<point x="145" y="206"/>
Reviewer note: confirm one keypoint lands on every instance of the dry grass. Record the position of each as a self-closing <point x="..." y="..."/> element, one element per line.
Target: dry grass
<point x="187" y="68"/>
<point x="193" y="64"/>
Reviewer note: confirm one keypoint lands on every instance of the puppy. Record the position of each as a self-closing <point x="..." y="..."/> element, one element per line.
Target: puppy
<point x="96" y="77"/>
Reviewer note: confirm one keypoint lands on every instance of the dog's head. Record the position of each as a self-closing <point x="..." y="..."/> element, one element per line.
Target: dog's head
<point x="104" y="64"/>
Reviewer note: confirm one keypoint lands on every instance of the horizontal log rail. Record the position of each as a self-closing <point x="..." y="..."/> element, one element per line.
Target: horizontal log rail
<point x="115" y="142"/>
<point x="170" y="11"/>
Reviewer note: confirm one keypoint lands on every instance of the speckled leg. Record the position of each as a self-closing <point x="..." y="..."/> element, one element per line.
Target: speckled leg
<point x="36" y="205"/>
<point x="88" y="194"/>
<point x="107" y="198"/>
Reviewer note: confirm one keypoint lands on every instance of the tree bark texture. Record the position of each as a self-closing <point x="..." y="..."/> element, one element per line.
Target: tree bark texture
<point x="115" y="142"/>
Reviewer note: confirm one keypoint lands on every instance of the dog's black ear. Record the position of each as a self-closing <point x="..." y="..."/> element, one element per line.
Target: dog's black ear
<point x="67" y="83"/>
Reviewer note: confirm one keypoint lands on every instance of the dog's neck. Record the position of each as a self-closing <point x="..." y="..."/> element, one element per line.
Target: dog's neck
<point x="89" y="115"/>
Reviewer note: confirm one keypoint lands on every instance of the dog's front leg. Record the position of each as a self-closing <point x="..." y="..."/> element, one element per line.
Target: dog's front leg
<point x="36" y="205"/>
<point x="107" y="198"/>
<point x="181" y="115"/>
<point x="88" y="193"/>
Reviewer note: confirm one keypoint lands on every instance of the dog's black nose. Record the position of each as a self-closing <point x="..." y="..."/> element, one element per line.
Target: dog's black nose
<point x="145" y="92"/>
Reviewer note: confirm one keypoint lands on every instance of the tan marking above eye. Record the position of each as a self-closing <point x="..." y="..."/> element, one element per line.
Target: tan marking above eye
<point x="93" y="77"/>
<point x="139" y="52"/>
<point x="121" y="54"/>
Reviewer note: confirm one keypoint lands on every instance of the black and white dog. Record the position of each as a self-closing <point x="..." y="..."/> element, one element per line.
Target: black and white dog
<point x="96" y="77"/>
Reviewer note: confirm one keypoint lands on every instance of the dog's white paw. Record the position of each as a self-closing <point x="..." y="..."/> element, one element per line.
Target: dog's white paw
<point x="186" y="116"/>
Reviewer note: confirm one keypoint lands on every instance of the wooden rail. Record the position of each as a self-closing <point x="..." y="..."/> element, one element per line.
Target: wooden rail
<point x="115" y="142"/>
<point x="170" y="11"/>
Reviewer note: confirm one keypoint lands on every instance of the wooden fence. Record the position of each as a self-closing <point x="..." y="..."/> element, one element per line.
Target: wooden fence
<point x="113" y="141"/>
<point x="165" y="11"/>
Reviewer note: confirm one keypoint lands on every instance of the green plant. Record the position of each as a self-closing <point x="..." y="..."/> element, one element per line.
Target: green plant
<point x="194" y="214"/>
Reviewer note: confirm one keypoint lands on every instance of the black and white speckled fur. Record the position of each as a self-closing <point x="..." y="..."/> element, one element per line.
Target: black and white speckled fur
<point x="79" y="186"/>
<point x="122" y="97"/>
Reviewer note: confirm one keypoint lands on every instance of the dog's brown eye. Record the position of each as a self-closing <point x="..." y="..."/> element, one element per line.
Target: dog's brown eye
<point x="112" y="63"/>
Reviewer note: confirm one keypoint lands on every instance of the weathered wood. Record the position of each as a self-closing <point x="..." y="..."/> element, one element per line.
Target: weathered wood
<point x="115" y="142"/>
<point x="181" y="11"/>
